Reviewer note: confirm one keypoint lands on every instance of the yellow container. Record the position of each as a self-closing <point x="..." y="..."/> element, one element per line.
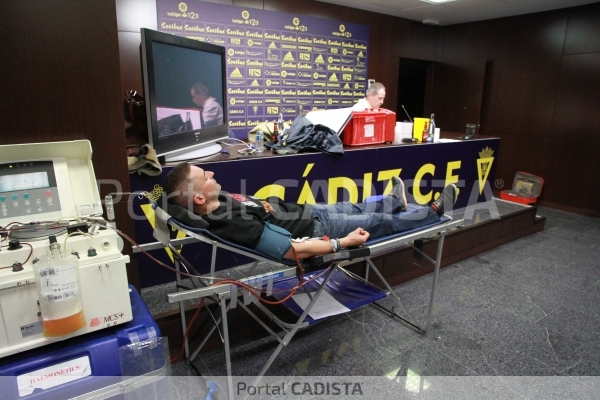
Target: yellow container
<point x="418" y="125"/>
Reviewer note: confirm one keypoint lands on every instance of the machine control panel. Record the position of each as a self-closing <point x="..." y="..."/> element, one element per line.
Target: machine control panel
<point x="28" y="189"/>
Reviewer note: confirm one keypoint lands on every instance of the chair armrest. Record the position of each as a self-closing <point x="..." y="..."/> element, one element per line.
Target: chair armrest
<point x="342" y="255"/>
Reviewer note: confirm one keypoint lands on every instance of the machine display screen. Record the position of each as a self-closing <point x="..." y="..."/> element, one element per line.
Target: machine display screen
<point x="32" y="180"/>
<point x="28" y="189"/>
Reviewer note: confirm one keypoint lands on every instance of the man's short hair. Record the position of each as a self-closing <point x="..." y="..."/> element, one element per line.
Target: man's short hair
<point x="200" y="88"/>
<point x="176" y="183"/>
<point x="375" y="88"/>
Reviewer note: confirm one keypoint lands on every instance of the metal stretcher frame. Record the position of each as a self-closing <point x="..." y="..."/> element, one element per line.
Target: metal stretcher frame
<point x="223" y="292"/>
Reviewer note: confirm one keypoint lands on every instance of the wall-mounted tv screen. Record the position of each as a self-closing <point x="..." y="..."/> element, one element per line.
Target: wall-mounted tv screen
<point x="185" y="93"/>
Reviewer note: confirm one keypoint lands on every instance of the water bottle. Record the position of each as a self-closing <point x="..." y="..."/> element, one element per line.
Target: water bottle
<point x="260" y="141"/>
<point x="280" y="122"/>
<point x="188" y="124"/>
<point x="431" y="130"/>
<point x="275" y="132"/>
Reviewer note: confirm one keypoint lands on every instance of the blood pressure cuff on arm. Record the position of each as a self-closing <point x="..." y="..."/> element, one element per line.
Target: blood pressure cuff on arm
<point x="274" y="241"/>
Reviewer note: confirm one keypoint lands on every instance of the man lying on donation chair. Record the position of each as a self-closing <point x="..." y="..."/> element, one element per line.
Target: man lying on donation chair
<point x="285" y="230"/>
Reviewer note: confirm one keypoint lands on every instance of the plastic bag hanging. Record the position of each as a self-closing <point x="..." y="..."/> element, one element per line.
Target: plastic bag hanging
<point x="59" y="294"/>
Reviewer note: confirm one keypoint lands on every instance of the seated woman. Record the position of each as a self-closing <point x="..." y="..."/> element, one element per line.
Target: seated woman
<point x="284" y="230"/>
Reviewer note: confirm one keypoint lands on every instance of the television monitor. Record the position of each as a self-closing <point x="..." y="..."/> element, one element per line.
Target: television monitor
<point x="185" y="94"/>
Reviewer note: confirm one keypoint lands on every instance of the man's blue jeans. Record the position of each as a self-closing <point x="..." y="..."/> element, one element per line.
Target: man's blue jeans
<point x="380" y="218"/>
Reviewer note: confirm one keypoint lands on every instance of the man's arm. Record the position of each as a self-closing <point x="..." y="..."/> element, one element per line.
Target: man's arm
<point x="310" y="248"/>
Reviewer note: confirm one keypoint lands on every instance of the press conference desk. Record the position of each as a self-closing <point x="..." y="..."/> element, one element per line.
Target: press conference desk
<point x="234" y="147"/>
<point x="361" y="172"/>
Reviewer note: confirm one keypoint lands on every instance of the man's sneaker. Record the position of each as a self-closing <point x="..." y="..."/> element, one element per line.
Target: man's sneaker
<point x="398" y="190"/>
<point x="446" y="200"/>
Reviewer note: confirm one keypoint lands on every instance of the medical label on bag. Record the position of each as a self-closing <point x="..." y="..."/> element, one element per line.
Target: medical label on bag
<point x="58" y="283"/>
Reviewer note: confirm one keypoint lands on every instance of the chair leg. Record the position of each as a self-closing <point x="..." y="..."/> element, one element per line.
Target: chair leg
<point x="227" y="349"/>
<point x="410" y="319"/>
<point x="288" y="337"/>
<point x="438" y="261"/>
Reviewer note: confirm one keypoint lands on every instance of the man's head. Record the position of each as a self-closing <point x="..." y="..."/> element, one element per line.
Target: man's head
<point x="375" y="94"/>
<point x="191" y="187"/>
<point x="199" y="94"/>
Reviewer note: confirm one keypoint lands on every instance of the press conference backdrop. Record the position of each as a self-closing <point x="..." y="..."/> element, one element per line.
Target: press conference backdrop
<point x="276" y="62"/>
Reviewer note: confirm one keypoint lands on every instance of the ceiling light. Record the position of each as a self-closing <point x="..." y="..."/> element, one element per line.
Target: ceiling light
<point x="437" y="1"/>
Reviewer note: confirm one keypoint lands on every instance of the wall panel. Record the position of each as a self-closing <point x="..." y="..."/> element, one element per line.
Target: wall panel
<point x="530" y="64"/>
<point x="475" y="40"/>
<point x="458" y="93"/>
<point x="541" y="97"/>
<point x="412" y="39"/>
<point x="131" y="68"/>
<point x="60" y="80"/>
<point x="521" y="153"/>
<point x="575" y="135"/>
<point x="583" y="30"/>
<point x="573" y="179"/>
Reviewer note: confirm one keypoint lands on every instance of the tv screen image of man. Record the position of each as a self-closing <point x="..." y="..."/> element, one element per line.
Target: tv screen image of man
<point x="212" y="112"/>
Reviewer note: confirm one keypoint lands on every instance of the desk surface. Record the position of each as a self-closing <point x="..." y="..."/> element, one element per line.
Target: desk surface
<point x="234" y="155"/>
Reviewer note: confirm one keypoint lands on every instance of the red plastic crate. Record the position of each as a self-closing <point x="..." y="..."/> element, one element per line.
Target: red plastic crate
<point x="390" y="125"/>
<point x="365" y="127"/>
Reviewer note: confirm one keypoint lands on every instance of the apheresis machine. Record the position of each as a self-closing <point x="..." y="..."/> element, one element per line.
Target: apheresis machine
<point x="62" y="273"/>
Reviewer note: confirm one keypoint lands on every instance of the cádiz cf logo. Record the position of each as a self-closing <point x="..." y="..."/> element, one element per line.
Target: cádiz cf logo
<point x="484" y="165"/>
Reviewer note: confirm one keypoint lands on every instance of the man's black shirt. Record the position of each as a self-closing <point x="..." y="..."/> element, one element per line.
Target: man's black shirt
<point x="240" y="218"/>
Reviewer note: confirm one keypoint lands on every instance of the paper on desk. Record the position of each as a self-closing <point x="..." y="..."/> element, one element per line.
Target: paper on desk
<point x="402" y="130"/>
<point x="335" y="119"/>
<point x="325" y="306"/>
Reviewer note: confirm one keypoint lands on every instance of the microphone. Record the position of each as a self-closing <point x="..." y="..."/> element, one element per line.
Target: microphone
<point x="407" y="113"/>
